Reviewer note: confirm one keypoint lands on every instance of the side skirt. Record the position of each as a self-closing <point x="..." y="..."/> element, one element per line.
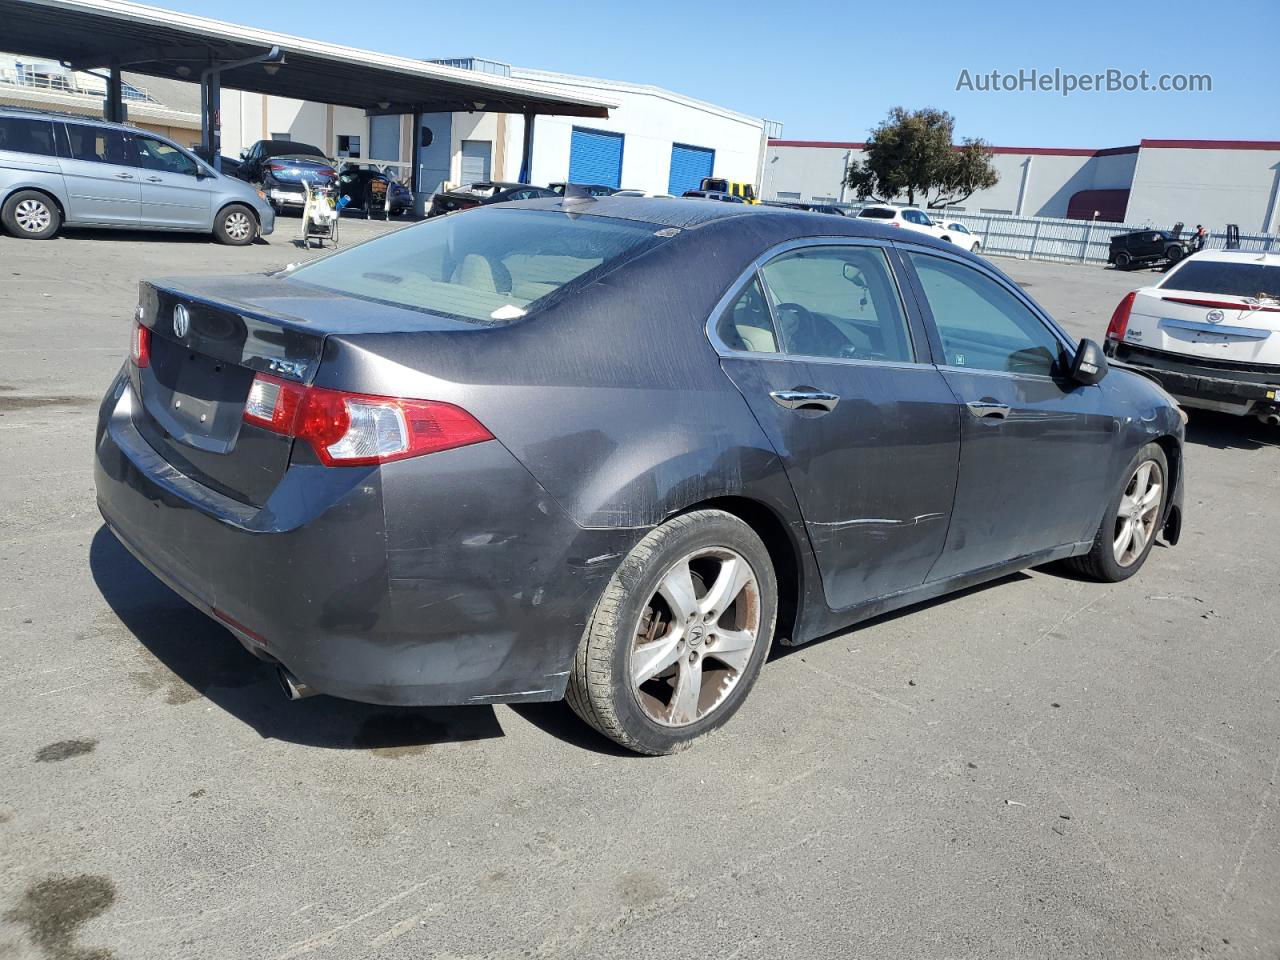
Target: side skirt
<point x="843" y="619"/>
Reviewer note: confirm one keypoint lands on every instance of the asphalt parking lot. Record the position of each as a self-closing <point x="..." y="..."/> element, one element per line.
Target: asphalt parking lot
<point x="1041" y="767"/>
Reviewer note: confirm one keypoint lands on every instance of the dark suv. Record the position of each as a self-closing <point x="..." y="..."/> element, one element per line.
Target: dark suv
<point x="1146" y="247"/>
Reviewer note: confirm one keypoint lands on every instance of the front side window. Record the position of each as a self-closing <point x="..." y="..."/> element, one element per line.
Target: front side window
<point x="983" y="325"/>
<point x="747" y="325"/>
<point x="158" y="155"/>
<point x="100" y="145"/>
<point x="838" y="302"/>
<point x="492" y="265"/>
<point x="22" y="135"/>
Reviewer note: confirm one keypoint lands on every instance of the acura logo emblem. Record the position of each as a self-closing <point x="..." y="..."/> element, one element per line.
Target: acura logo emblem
<point x="181" y="321"/>
<point x="1214" y="316"/>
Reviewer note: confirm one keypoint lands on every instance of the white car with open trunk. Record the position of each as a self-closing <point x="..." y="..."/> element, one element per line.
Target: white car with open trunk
<point x="1209" y="331"/>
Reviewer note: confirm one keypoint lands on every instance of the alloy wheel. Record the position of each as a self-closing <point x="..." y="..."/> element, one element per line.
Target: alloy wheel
<point x="1138" y="514"/>
<point x="695" y="636"/>
<point x="237" y="225"/>
<point x="32" y="216"/>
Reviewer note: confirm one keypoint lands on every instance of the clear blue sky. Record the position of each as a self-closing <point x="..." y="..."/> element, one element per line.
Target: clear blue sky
<point x="830" y="70"/>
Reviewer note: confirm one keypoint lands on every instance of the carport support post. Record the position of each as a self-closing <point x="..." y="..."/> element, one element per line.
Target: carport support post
<point x="210" y="116"/>
<point x="526" y="153"/>
<point x="115" y="94"/>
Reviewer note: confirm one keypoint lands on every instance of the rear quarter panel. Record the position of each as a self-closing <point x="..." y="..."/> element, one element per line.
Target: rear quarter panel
<point x="27" y="171"/>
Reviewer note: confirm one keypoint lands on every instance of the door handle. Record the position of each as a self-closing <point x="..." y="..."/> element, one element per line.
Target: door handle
<point x="805" y="399"/>
<point x="988" y="409"/>
<point x="124" y="176"/>
<point x="155" y="180"/>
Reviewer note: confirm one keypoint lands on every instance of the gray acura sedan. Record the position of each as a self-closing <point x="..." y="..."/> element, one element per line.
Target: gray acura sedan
<point x="610" y="449"/>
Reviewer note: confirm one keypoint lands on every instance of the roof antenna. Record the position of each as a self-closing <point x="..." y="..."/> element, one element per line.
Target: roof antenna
<point x="574" y="191"/>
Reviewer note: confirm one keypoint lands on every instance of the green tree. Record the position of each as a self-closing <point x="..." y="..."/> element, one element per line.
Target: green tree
<point x="913" y="152"/>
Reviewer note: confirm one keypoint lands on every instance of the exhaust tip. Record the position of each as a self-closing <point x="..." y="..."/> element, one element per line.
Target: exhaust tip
<point x="1270" y="419"/>
<point x="293" y="688"/>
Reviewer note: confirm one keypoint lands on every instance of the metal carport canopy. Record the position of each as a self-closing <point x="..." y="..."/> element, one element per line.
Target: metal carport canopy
<point x="149" y="40"/>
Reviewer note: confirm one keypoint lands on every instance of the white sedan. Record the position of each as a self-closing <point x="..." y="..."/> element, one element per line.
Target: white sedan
<point x="912" y="218"/>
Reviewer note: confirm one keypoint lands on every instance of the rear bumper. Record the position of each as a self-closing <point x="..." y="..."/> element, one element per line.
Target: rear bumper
<point x="450" y="579"/>
<point x="1201" y="384"/>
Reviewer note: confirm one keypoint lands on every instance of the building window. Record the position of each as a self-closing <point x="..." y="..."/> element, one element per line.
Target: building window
<point x="818" y="199"/>
<point x="348" y="145"/>
<point x="994" y="210"/>
<point x="788" y="196"/>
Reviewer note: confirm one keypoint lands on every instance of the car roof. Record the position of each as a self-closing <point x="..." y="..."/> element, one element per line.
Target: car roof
<point x="34" y="114"/>
<point x="775" y="224"/>
<point x="1238" y="256"/>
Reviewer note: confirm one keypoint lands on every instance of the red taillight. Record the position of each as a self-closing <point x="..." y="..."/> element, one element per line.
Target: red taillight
<point x="355" y="429"/>
<point x="327" y="172"/>
<point x="140" y="346"/>
<point x="1120" y="319"/>
<point x="276" y="167"/>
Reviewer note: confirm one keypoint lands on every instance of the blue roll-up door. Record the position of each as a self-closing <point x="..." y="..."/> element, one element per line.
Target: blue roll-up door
<point x="595" y="156"/>
<point x="688" y="166"/>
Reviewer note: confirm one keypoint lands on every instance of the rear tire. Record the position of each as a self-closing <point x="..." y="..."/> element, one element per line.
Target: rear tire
<point x="678" y="636"/>
<point x="31" y="215"/>
<point x="1123" y="261"/>
<point x="1131" y="522"/>
<point x="236" y="226"/>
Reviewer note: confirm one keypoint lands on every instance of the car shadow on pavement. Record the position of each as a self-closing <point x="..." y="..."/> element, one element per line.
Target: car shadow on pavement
<point x="185" y="655"/>
<point x="1223" y="431"/>
<point x="166" y="236"/>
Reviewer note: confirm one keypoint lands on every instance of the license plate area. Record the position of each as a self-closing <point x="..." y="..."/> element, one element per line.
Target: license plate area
<point x="198" y="400"/>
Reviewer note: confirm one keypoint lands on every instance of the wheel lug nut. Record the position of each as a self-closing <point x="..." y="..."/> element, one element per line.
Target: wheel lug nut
<point x="693" y="657"/>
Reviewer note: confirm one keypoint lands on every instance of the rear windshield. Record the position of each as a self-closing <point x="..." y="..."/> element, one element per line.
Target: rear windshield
<point x="1231" y="278"/>
<point x="876" y="213"/>
<point x="488" y="265"/>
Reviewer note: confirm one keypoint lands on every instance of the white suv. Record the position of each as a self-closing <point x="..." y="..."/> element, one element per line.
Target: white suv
<point x="1209" y="331"/>
<point x="914" y="219"/>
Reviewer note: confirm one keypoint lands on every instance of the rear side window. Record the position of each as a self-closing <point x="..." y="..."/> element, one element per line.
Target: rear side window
<point x="838" y="302"/>
<point x="877" y="213"/>
<point x="747" y="324"/>
<point x="100" y="145"/>
<point x="488" y="265"/>
<point x="23" y="135"/>
<point x="981" y="324"/>
<point x="1232" y="279"/>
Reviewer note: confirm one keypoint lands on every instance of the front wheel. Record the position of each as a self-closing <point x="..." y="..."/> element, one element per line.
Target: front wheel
<point x="1174" y="254"/>
<point x="679" y="635"/>
<point x="1131" y="522"/>
<point x="235" y="226"/>
<point x="31" y="215"/>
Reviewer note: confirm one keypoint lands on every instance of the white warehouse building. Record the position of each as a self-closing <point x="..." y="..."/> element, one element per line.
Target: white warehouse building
<point x="653" y="140"/>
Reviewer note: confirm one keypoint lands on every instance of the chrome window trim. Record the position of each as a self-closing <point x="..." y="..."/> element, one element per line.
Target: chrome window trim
<point x="787" y="246"/>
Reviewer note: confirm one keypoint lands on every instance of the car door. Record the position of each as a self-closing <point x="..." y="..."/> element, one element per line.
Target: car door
<point x="1036" y="447"/>
<point x="101" y="174"/>
<point x="838" y="374"/>
<point x="174" y="191"/>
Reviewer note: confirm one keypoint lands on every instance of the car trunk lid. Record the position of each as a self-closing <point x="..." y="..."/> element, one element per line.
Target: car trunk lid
<point x="1209" y="325"/>
<point x="209" y="338"/>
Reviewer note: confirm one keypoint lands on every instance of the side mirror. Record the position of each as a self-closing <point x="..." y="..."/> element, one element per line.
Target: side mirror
<point x="244" y="152"/>
<point x="1089" y="365"/>
<point x="854" y="276"/>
